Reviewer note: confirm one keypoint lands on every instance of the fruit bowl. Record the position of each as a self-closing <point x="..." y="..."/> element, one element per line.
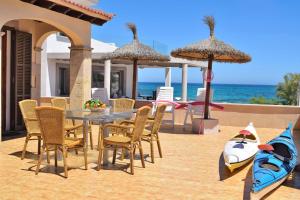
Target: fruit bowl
<point x="94" y="105"/>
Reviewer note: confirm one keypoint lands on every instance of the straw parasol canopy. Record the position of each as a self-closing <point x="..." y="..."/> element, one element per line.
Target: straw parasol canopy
<point x="136" y="51"/>
<point x="211" y="50"/>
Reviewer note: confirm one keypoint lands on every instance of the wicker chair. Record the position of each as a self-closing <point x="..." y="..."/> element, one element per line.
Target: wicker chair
<point x="125" y="136"/>
<point x="152" y="134"/>
<point x="52" y="123"/>
<point x="70" y="126"/>
<point x="27" y="108"/>
<point x="122" y="104"/>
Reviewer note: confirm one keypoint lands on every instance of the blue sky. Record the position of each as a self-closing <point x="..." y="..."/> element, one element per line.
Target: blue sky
<point x="268" y="30"/>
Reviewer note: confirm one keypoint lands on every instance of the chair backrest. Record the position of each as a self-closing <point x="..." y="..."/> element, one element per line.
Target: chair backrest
<point x="101" y="94"/>
<point x="165" y="93"/>
<point x="122" y="104"/>
<point x="160" y="110"/>
<point x="201" y="92"/>
<point x="140" y="122"/>
<point x="27" y="108"/>
<point x="59" y="103"/>
<point x="51" y="120"/>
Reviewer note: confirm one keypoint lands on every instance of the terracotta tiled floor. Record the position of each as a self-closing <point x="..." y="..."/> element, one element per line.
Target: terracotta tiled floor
<point x="192" y="168"/>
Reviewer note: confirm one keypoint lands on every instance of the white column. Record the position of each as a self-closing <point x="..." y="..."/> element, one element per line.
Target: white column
<point x="204" y="70"/>
<point x="168" y="76"/>
<point x="1" y="34"/>
<point x="107" y="75"/>
<point x="184" y="82"/>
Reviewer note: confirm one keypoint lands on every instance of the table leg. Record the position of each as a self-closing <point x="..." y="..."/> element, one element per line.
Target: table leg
<point x="85" y="133"/>
<point x="106" y="152"/>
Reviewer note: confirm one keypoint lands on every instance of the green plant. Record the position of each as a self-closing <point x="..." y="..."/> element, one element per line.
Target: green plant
<point x="288" y="89"/>
<point x="263" y="100"/>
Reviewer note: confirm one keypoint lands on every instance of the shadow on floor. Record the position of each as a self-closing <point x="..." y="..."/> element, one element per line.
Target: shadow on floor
<point x="224" y="172"/>
<point x="294" y="180"/>
<point x="28" y="155"/>
<point x="10" y="135"/>
<point x="247" y="185"/>
<point x="178" y="129"/>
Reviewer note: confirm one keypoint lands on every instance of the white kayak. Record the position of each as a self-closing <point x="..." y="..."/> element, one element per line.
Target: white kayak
<point x="242" y="148"/>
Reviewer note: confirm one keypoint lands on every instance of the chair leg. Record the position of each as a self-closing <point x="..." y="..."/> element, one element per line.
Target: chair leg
<point x="100" y="157"/>
<point x="39" y="161"/>
<point x="64" y="152"/>
<point x="39" y="144"/>
<point x="25" y="145"/>
<point x="55" y="156"/>
<point x="114" y="156"/>
<point x="158" y="145"/>
<point x="123" y="154"/>
<point x="48" y="156"/>
<point x="131" y="161"/>
<point x="141" y="154"/>
<point x="134" y="152"/>
<point x="91" y="140"/>
<point x="85" y="157"/>
<point x="75" y="136"/>
<point x="151" y="149"/>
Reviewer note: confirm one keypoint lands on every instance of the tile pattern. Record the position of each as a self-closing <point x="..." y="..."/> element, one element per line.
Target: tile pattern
<point x="191" y="168"/>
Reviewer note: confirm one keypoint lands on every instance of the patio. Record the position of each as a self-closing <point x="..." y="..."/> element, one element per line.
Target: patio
<point x="184" y="172"/>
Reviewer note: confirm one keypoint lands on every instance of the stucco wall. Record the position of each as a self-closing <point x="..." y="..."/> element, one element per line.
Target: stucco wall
<point x="263" y="116"/>
<point x="16" y="10"/>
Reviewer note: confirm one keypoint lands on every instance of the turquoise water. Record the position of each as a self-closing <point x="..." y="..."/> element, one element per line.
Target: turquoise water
<point x="231" y="93"/>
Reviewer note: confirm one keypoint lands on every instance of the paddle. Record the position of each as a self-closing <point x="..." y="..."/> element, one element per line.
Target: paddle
<point x="269" y="148"/>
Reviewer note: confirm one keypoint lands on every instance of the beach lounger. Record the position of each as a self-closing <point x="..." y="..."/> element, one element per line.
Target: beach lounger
<point x="164" y="95"/>
<point x="193" y="110"/>
<point x="101" y="94"/>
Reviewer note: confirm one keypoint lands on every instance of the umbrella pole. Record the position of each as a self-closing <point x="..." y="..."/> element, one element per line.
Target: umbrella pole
<point x="208" y="81"/>
<point x="134" y="78"/>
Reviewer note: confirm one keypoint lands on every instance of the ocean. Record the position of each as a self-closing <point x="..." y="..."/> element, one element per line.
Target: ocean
<point x="230" y="93"/>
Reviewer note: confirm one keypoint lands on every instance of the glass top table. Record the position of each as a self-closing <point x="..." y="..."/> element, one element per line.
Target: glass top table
<point x="107" y="115"/>
<point x="103" y="116"/>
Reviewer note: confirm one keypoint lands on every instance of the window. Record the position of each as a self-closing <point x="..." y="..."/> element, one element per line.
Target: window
<point x="63" y="81"/>
<point x="117" y="86"/>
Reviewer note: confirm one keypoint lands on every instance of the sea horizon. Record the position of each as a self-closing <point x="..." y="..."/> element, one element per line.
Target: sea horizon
<point x="222" y="92"/>
<point x="258" y="84"/>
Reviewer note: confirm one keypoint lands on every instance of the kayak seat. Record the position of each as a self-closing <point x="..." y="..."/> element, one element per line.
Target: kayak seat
<point x="282" y="150"/>
<point x="270" y="166"/>
<point x="248" y="137"/>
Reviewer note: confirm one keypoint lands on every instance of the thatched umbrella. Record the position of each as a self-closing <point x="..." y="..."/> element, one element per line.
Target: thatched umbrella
<point x="136" y="51"/>
<point x="211" y="50"/>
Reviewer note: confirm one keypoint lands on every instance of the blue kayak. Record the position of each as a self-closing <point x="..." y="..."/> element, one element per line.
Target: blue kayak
<point x="271" y="168"/>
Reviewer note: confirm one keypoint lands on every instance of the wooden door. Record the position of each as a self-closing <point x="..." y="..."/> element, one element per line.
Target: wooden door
<point x="20" y="75"/>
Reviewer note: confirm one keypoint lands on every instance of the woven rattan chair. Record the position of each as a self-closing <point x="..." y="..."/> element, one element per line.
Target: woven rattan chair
<point x="27" y="108"/>
<point x="152" y="134"/>
<point x="52" y="123"/>
<point x="122" y="104"/>
<point x="125" y="136"/>
<point x="70" y="126"/>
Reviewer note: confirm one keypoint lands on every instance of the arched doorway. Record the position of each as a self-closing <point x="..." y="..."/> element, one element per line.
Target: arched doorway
<point x="21" y="67"/>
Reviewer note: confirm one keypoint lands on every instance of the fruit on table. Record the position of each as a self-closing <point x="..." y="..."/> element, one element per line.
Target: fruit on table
<point x="94" y="103"/>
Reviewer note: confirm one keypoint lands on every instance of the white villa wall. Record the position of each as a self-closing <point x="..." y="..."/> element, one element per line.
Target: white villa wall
<point x="56" y="50"/>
